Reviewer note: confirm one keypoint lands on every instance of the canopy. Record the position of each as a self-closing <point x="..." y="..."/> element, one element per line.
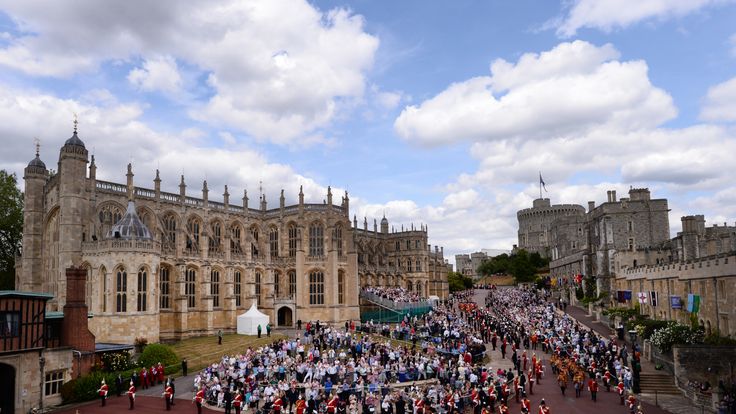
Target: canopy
<point x="249" y="321"/>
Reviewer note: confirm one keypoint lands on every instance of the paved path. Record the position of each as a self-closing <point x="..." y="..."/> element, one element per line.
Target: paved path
<point x="143" y="405"/>
<point x="608" y="402"/>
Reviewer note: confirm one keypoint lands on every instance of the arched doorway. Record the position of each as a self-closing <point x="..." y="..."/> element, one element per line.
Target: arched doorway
<point x="285" y="317"/>
<point x="7" y="388"/>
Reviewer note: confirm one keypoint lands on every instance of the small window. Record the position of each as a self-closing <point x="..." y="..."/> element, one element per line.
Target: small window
<point x="631" y="226"/>
<point x="340" y="287"/>
<point x="238" y="288"/>
<point x="631" y="244"/>
<point x="9" y="324"/>
<point x="53" y="382"/>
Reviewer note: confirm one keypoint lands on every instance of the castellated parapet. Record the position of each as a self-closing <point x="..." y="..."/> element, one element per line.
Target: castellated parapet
<point x="535" y="223"/>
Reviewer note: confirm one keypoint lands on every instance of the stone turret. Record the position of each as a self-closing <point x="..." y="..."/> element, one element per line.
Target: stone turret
<point x="384" y="225"/>
<point x="34" y="176"/>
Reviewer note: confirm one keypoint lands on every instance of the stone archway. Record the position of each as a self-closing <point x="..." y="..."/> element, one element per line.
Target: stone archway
<point x="285" y="316"/>
<point x="7" y="388"/>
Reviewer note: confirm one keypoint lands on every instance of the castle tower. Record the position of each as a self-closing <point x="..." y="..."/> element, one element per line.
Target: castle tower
<point x="72" y="207"/>
<point x="384" y="225"/>
<point x="34" y="176"/>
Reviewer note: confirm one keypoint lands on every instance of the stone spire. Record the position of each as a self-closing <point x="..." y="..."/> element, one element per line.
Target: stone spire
<point x="157" y="184"/>
<point x="329" y="195"/>
<point x="282" y="199"/>
<point x="301" y="195"/>
<point x="129" y="175"/>
<point x="245" y="199"/>
<point x="182" y="189"/>
<point x="205" y="191"/>
<point x="226" y="197"/>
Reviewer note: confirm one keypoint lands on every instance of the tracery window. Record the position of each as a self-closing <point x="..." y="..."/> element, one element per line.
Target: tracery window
<point x="215" y="245"/>
<point x="293" y="234"/>
<point x="215" y="287"/>
<point x="235" y="239"/>
<point x="121" y="288"/>
<point x="258" y="287"/>
<point x="338" y="239"/>
<point x="169" y="232"/>
<point x="193" y="227"/>
<point x="316" y="288"/>
<point x="190" y="287"/>
<point x="142" y="296"/>
<point x="273" y="242"/>
<point x="340" y="287"/>
<point x="292" y="283"/>
<point x="238" y="288"/>
<point x="316" y="240"/>
<point x="165" y="288"/>
<point x="254" y="243"/>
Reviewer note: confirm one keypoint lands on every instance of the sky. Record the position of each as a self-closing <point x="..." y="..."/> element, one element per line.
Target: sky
<point x="441" y="113"/>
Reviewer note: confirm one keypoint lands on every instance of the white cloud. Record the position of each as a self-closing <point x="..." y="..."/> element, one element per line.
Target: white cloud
<point x="157" y="74"/>
<point x="279" y="70"/>
<point x="607" y="15"/>
<point x="389" y="100"/>
<point x="720" y="103"/>
<point x="732" y="43"/>
<point x="570" y="89"/>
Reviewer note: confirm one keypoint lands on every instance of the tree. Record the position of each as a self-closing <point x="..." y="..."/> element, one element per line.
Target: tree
<point x="458" y="282"/>
<point x="522" y="267"/>
<point x="11" y="227"/>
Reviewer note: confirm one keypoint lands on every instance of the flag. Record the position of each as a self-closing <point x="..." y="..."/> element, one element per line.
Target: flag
<point x="627" y="295"/>
<point x="541" y="181"/>
<point x="643" y="298"/>
<point x="620" y="296"/>
<point x="653" y="298"/>
<point x="693" y="303"/>
<point x="676" y="302"/>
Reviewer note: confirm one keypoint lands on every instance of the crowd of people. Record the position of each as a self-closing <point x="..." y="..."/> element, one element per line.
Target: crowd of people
<point x="438" y="368"/>
<point x="395" y="294"/>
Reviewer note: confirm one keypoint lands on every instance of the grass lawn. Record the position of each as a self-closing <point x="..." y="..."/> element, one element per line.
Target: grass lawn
<point x="203" y="351"/>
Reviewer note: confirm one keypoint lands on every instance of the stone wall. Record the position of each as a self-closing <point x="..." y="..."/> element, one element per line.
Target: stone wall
<point x="696" y="364"/>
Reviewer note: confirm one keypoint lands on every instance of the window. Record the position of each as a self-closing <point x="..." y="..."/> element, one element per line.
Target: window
<point x="631" y="226"/>
<point x="141" y="297"/>
<point x="215" y="238"/>
<point x="316" y="240"/>
<point x="190" y="292"/>
<point x="258" y="287"/>
<point x="193" y="236"/>
<point x="254" y="243"/>
<point x="408" y="265"/>
<point x="292" y="283"/>
<point x="103" y="275"/>
<point x="340" y="287"/>
<point x="238" y="288"/>
<point x="631" y="244"/>
<point x="416" y="244"/>
<point x="276" y="285"/>
<point x="397" y="246"/>
<point x="215" y="288"/>
<point x="235" y="235"/>
<point x="53" y="382"/>
<point x="408" y="245"/>
<point x="169" y="236"/>
<point x="9" y="324"/>
<point x="338" y="240"/>
<point x="316" y="288"/>
<point x="292" y="240"/>
<point x="165" y="288"/>
<point x="121" y="287"/>
<point x="273" y="241"/>
<point x="418" y="266"/>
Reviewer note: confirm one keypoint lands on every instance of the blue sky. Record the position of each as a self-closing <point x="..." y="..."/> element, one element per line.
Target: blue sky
<point x="440" y="113"/>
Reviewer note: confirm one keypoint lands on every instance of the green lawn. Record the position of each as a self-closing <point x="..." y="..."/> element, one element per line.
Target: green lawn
<point x="203" y="351"/>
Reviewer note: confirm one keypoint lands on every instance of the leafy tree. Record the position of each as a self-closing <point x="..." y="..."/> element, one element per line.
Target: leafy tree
<point x="458" y="282"/>
<point x="11" y="227"/>
<point x="522" y="267"/>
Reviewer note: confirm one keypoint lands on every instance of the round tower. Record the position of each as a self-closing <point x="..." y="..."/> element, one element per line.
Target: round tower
<point x="34" y="176"/>
<point x="384" y="225"/>
<point x="72" y="209"/>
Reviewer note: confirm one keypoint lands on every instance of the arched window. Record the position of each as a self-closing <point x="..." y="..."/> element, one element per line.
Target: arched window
<point x="397" y="246"/>
<point x="292" y="283"/>
<point x="408" y="265"/>
<point x="316" y="288"/>
<point x="418" y="265"/>
<point x="141" y="297"/>
<point x="193" y="236"/>
<point x="238" y="288"/>
<point x="409" y="286"/>
<point x="109" y="215"/>
<point x="292" y="240"/>
<point x="235" y="239"/>
<point x="258" y="286"/>
<point x="215" y="241"/>
<point x="165" y="288"/>
<point x="103" y="276"/>
<point x="316" y="240"/>
<point x="190" y="286"/>
<point x="169" y="233"/>
<point x="215" y="287"/>
<point x="276" y="285"/>
<point x="254" y="243"/>
<point x="340" y="287"/>
<point x="273" y="241"/>
<point x="121" y="288"/>
<point x="338" y="239"/>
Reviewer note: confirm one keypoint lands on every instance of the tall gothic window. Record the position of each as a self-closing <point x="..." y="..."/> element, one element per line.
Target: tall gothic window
<point x="273" y="242"/>
<point x="215" y="287"/>
<point x="258" y="287"/>
<point x="408" y="245"/>
<point x="190" y="287"/>
<point x="408" y="265"/>
<point x="292" y="283"/>
<point x="121" y="287"/>
<point x="169" y="232"/>
<point x="141" y="297"/>
<point x="254" y="244"/>
<point x="293" y="234"/>
<point x="235" y="239"/>
<point x="238" y="288"/>
<point x="103" y="276"/>
<point x="418" y="265"/>
<point x="338" y="239"/>
<point x="316" y="240"/>
<point x="165" y="288"/>
<point x="215" y="245"/>
<point x="340" y="287"/>
<point x="316" y="288"/>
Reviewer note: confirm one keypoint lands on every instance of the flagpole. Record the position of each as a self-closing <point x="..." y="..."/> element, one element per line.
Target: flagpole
<point x="540" y="185"/>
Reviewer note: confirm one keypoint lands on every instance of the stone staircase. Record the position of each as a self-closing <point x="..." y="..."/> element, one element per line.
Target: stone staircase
<point x="659" y="381"/>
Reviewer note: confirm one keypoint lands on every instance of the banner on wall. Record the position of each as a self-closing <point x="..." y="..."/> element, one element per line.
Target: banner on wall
<point x="693" y="303"/>
<point x="676" y="302"/>
<point x="653" y="298"/>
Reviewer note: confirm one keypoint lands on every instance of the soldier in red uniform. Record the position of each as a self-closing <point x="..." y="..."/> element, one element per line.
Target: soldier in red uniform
<point x="160" y="373"/>
<point x="593" y="388"/>
<point x="131" y="395"/>
<point x="503" y="409"/>
<point x="301" y="405"/>
<point x="168" y="395"/>
<point x="238" y="401"/>
<point x="419" y="405"/>
<point x="278" y="403"/>
<point x="144" y="378"/>
<point x="632" y="403"/>
<point x="543" y="409"/>
<point x="621" y="390"/>
<point x="526" y="406"/>
<point x="199" y="399"/>
<point x="103" y="392"/>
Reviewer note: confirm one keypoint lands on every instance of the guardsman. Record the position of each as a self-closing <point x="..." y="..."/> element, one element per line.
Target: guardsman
<point x="419" y="405"/>
<point x="607" y="380"/>
<point x="593" y="388"/>
<point x="168" y="395"/>
<point x="632" y="403"/>
<point x="531" y="381"/>
<point x="301" y="405"/>
<point x="475" y="399"/>
<point x="238" y="401"/>
<point x="103" y="392"/>
<point x="621" y="390"/>
<point x="517" y="389"/>
<point x="543" y="409"/>
<point x="332" y="404"/>
<point x="131" y="395"/>
<point x="526" y="406"/>
<point x="278" y="403"/>
<point x="199" y="399"/>
<point x="503" y="409"/>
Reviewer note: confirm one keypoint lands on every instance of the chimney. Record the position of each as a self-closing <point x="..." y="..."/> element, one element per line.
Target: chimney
<point x="74" y="330"/>
<point x="613" y="196"/>
<point x="608" y="196"/>
<point x="591" y="206"/>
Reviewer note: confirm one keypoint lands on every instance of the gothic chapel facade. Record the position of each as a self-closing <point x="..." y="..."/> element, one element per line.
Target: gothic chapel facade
<point x="166" y="266"/>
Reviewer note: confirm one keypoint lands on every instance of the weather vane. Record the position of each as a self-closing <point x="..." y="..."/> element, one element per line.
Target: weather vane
<point x="76" y="121"/>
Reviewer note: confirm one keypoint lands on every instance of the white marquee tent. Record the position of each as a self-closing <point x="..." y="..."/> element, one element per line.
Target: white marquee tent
<point x="249" y="321"/>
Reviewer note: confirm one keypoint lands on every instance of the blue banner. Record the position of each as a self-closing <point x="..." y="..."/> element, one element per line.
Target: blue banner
<point x="676" y="302"/>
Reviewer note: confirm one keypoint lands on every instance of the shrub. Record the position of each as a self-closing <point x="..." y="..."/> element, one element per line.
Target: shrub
<point x="646" y="327"/>
<point x="674" y="334"/>
<point x="155" y="353"/>
<point x="716" y="339"/>
<point x="85" y="388"/>
<point x="67" y="391"/>
<point x="116" y="361"/>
